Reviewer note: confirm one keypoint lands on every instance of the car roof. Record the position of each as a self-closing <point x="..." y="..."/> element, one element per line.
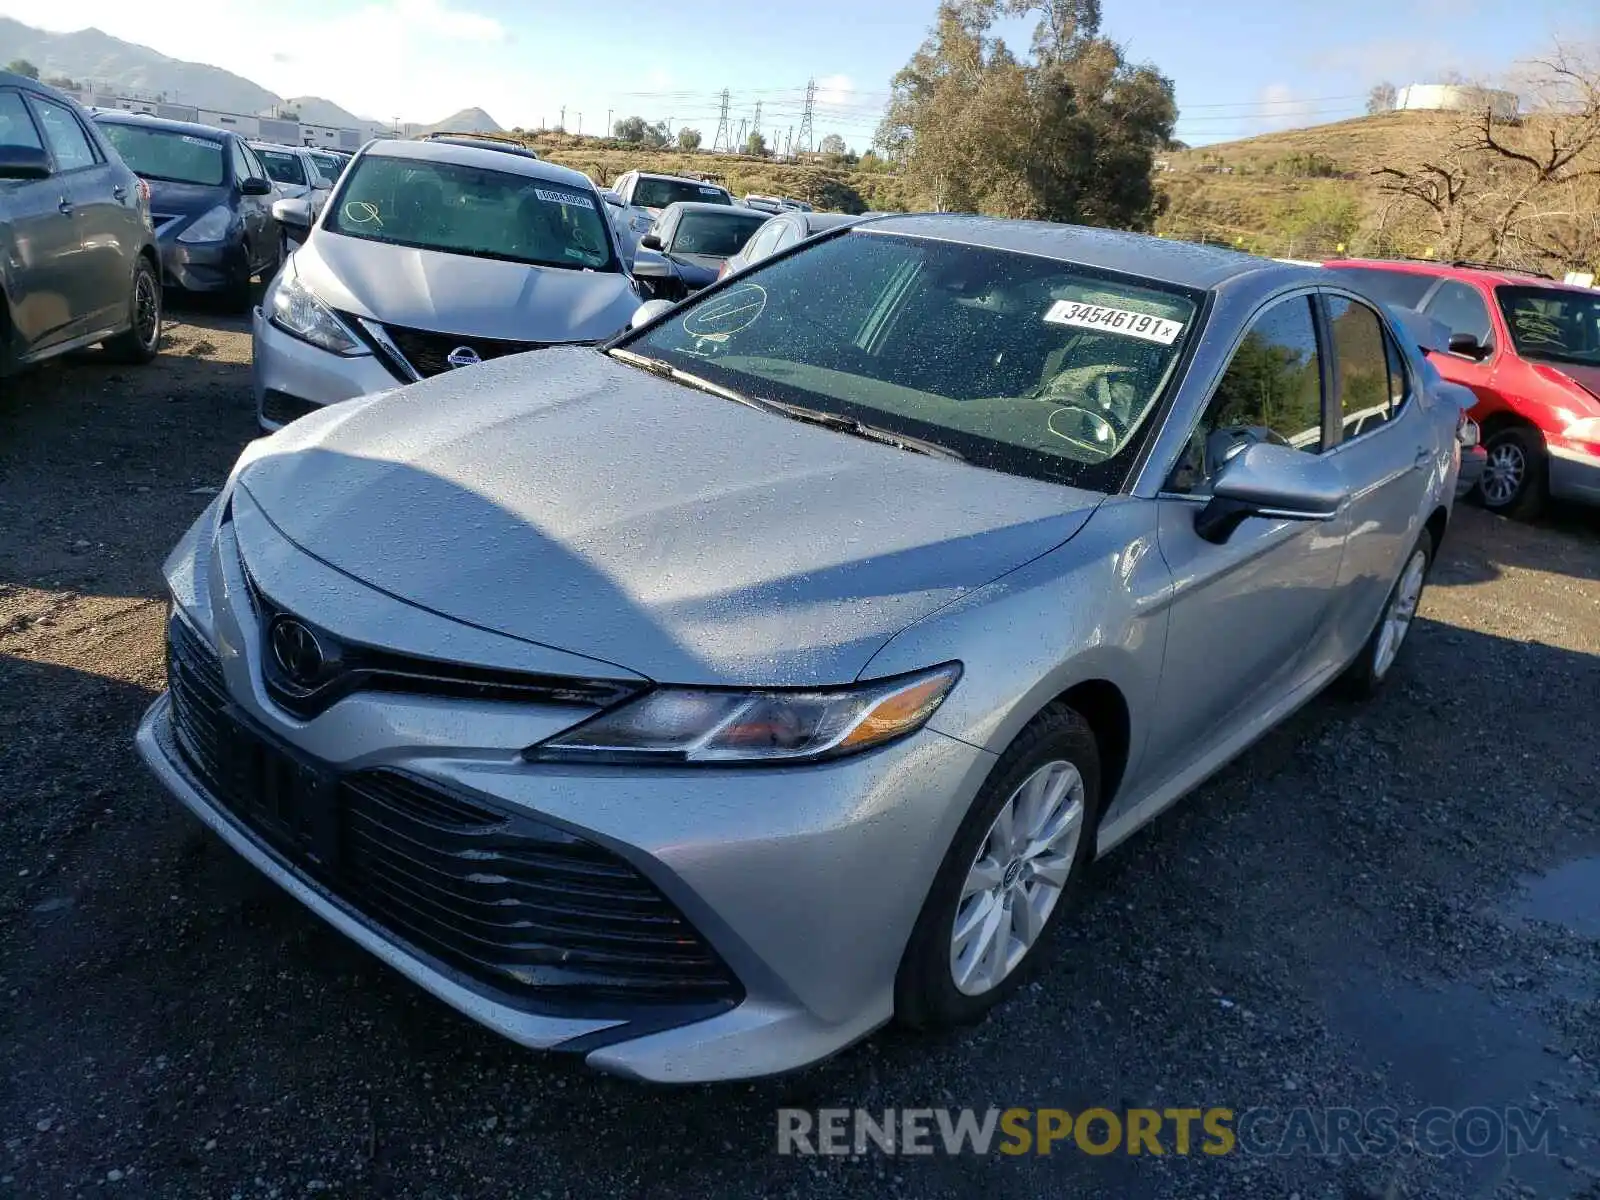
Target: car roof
<point x="483" y="143"/>
<point x="191" y="128"/>
<point x="1160" y="259"/>
<point x="723" y="209"/>
<point x="476" y="156"/>
<point x="1508" y="276"/>
<point x="681" y="179"/>
<point x="258" y="144"/>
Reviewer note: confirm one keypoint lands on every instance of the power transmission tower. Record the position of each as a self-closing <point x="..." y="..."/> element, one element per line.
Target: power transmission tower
<point x="724" y="137"/>
<point x="802" y="141"/>
<point x="755" y="126"/>
<point x="740" y="143"/>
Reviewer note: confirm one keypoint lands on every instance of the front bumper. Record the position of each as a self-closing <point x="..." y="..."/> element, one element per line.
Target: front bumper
<point x="804" y="881"/>
<point x="202" y="266"/>
<point x="1574" y="475"/>
<point x="291" y="377"/>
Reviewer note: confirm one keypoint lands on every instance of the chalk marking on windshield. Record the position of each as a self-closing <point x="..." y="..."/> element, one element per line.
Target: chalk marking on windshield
<point x="362" y="212"/>
<point x="1114" y="320"/>
<point x="733" y="304"/>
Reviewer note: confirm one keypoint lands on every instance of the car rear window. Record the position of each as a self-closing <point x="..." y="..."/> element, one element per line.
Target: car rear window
<point x="282" y="166"/>
<point x="1405" y="288"/>
<point x="167" y="154"/>
<point x="658" y="193"/>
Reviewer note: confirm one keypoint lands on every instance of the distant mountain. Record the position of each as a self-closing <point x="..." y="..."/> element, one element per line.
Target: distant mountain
<point x="314" y="110"/>
<point x="89" y="56"/>
<point x="468" y="120"/>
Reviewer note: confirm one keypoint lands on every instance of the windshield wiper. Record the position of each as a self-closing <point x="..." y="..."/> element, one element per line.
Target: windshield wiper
<point x="797" y="412"/>
<point x="860" y="429"/>
<point x="666" y="370"/>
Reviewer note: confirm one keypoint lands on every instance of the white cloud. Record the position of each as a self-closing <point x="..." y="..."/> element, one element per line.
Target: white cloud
<point x="835" y="89"/>
<point x="1281" y="108"/>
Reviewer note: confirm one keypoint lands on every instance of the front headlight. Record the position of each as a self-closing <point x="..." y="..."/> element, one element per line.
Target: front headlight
<point x="295" y="310"/>
<point x="209" y="226"/>
<point x="693" y="726"/>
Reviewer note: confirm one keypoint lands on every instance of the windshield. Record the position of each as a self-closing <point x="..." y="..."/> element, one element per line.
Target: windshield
<point x="329" y="164"/>
<point x="166" y="154"/>
<point x="471" y="210"/>
<point x="658" y="193"/>
<point x="718" y="235"/>
<point x="282" y="166"/>
<point x="1015" y="362"/>
<point x="1555" y="325"/>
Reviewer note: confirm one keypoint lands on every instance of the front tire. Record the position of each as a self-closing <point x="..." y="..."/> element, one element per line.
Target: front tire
<point x="142" y="340"/>
<point x="1014" y="867"/>
<point x="1514" y="475"/>
<point x="1377" y="658"/>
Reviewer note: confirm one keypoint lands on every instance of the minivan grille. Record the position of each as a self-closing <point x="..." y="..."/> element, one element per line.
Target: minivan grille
<point x="551" y="920"/>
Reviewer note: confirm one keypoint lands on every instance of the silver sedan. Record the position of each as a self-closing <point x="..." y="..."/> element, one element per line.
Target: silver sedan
<point x="702" y="702"/>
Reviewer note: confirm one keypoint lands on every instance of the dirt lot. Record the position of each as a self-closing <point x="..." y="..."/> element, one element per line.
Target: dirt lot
<point x="1392" y="905"/>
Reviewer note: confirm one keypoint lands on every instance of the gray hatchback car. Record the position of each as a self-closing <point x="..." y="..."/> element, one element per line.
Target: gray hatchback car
<point x="78" y="258"/>
<point x="701" y="702"/>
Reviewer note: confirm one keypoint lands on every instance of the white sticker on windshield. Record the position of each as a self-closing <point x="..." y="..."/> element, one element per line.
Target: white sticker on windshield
<point x="1114" y="320"/>
<point x="705" y="191"/>
<point x="194" y="141"/>
<point x="564" y="198"/>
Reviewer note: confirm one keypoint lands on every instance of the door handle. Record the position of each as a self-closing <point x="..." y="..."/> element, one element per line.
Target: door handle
<point x="65" y="207"/>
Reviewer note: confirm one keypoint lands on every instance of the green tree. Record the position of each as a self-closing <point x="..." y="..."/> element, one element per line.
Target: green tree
<point x="756" y="145"/>
<point x="689" y="139"/>
<point x="833" y="146"/>
<point x="641" y="132"/>
<point x="21" y="66"/>
<point x="1068" y="133"/>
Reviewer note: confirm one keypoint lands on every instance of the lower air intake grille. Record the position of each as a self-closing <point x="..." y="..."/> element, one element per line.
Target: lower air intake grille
<point x="537" y="914"/>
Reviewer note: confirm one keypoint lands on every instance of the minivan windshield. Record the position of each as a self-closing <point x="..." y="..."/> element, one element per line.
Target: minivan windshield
<point x="167" y="154"/>
<point x="471" y="210"/>
<point x="1015" y="362"/>
<point x="658" y="193"/>
<point x="1551" y="324"/>
<point x="282" y="166"/>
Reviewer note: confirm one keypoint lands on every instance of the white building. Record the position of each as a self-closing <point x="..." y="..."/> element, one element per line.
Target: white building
<point x="270" y="129"/>
<point x="1457" y="97"/>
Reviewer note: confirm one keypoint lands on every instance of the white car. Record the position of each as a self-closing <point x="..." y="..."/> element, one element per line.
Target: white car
<point x="295" y="173"/>
<point x="636" y="199"/>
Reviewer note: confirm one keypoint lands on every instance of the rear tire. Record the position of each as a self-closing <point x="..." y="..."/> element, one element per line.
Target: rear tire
<point x="1515" y="476"/>
<point x="237" y="296"/>
<point x="142" y="340"/>
<point x="998" y="876"/>
<point x="1365" y="677"/>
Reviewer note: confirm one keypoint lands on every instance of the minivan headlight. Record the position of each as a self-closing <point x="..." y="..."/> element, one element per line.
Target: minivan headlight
<point x="697" y="726"/>
<point x="296" y="310"/>
<point x="209" y="226"/>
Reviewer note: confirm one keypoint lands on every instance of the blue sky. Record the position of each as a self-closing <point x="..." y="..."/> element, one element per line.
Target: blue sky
<point x="1241" y="66"/>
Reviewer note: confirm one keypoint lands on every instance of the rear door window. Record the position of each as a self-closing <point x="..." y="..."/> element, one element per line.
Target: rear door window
<point x="1366" y="397"/>
<point x="1462" y="309"/>
<point x="69" y="144"/>
<point x="16" y="125"/>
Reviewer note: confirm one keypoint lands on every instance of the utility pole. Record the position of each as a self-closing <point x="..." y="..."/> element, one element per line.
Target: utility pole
<point x="607" y="130"/>
<point x="580" y="124"/>
<point x="788" y="142"/>
<point x="724" y="137"/>
<point x="563" y="125"/>
<point x="803" y="141"/>
<point x="740" y="143"/>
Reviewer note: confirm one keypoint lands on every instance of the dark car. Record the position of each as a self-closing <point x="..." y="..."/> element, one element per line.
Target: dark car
<point x="211" y="199"/>
<point x="78" y="258"/>
<point x="693" y="240"/>
<point x="482" y="141"/>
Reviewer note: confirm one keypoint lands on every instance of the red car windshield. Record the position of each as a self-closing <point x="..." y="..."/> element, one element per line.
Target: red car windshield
<point x="1557" y="326"/>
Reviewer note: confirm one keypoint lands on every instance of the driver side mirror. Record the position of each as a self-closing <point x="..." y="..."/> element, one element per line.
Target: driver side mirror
<point x="1468" y="346"/>
<point x="650" y="241"/>
<point x="293" y="214"/>
<point x="647" y="312"/>
<point x="1272" y="481"/>
<point x="255" y="187"/>
<point x="23" y="162"/>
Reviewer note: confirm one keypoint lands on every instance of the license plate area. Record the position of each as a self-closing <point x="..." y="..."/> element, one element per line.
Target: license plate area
<point x="287" y="798"/>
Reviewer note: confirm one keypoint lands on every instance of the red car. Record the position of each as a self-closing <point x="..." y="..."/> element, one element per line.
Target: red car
<point x="1529" y="348"/>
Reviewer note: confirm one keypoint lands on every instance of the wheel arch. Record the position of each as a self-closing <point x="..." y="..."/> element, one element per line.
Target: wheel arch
<point x="1102" y="704"/>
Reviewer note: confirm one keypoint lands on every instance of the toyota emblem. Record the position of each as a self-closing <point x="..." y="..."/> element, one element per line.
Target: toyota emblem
<point x="297" y="652"/>
<point x="463" y="356"/>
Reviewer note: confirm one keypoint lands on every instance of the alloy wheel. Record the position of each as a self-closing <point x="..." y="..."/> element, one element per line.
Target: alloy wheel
<point x="1504" y="471"/>
<point x="146" y="310"/>
<point x="1017" y="877"/>
<point x="1402" y="608"/>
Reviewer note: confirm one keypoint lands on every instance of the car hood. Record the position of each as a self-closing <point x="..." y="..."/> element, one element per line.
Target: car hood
<point x="185" y="199"/>
<point x="1585" y="376"/>
<point x="454" y="293"/>
<point x="571" y="501"/>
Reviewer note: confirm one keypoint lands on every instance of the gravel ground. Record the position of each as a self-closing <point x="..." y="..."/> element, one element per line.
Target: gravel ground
<point x="1396" y="904"/>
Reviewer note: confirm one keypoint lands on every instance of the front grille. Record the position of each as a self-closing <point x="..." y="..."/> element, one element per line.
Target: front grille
<point x="428" y="352"/>
<point x="536" y="914"/>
